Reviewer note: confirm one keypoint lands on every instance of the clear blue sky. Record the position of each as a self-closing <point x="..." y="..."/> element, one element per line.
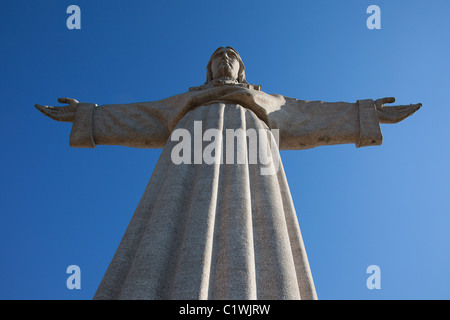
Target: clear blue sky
<point x="387" y="205"/>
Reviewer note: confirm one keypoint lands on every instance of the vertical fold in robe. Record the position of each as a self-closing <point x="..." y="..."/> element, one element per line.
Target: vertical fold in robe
<point x="193" y="258"/>
<point x="212" y="231"/>
<point x="233" y="270"/>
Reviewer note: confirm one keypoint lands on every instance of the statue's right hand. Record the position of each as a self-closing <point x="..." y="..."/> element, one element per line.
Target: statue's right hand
<point x="66" y="113"/>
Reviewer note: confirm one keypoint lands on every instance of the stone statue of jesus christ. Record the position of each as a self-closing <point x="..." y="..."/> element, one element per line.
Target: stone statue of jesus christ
<point x="218" y="230"/>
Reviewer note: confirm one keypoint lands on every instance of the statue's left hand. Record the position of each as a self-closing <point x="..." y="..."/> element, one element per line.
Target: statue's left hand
<point x="66" y="113"/>
<point x="394" y="114"/>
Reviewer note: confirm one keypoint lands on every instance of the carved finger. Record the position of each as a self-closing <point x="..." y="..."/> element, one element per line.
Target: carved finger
<point x="388" y="100"/>
<point x="66" y="114"/>
<point x="396" y="114"/>
<point x="379" y="103"/>
<point x="67" y="100"/>
<point x="48" y="111"/>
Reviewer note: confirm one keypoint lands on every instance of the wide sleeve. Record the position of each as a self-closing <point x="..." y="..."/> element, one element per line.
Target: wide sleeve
<point x="308" y="124"/>
<point x="139" y="125"/>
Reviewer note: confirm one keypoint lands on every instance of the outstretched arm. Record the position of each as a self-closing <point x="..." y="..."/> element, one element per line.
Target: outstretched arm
<point x="140" y="125"/>
<point x="308" y="124"/>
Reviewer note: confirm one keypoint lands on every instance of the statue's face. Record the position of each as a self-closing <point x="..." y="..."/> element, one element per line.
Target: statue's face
<point x="225" y="64"/>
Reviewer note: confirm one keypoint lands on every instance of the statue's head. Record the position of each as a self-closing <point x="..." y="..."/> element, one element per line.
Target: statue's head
<point x="225" y="63"/>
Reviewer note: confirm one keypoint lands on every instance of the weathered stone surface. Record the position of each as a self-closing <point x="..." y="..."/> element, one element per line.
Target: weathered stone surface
<point x="218" y="231"/>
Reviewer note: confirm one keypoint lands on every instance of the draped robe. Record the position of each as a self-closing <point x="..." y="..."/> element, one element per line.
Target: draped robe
<point x="217" y="231"/>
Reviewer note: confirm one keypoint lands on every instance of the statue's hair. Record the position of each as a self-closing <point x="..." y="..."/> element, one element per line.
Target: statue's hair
<point x="241" y="73"/>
